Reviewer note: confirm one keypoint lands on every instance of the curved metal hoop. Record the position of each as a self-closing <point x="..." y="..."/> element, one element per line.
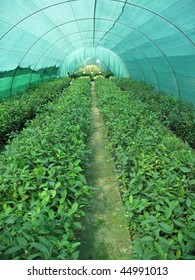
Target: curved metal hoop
<point x="125" y="3"/>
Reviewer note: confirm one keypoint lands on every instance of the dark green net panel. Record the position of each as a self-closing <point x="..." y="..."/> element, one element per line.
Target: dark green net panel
<point x="152" y="41"/>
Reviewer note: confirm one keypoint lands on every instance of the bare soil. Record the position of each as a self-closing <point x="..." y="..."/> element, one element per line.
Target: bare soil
<point x="106" y="235"/>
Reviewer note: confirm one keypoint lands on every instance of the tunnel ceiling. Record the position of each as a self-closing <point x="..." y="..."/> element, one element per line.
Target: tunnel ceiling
<point x="153" y="41"/>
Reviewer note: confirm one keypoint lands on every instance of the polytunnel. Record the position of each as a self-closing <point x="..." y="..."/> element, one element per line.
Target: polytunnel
<point x="97" y="134"/>
<point x="152" y="41"/>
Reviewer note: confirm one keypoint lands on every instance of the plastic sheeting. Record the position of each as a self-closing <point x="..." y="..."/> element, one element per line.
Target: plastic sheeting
<point x="153" y="41"/>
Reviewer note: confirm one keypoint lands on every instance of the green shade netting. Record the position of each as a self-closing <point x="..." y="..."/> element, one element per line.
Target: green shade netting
<point x="113" y="61"/>
<point x="18" y="79"/>
<point x="153" y="41"/>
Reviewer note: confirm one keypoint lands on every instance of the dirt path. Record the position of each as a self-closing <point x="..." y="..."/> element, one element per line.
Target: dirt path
<point x="106" y="235"/>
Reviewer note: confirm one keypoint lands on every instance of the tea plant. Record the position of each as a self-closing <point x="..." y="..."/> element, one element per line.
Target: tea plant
<point x="156" y="175"/>
<point x="15" y="111"/>
<point x="42" y="184"/>
<point x="178" y="116"/>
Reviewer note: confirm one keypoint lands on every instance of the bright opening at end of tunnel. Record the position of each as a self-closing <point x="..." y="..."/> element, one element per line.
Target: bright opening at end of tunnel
<point x="92" y="67"/>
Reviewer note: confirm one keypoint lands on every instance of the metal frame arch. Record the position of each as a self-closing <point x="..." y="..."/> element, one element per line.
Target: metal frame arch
<point x="88" y="45"/>
<point x="158" y="15"/>
<point x="36" y="12"/>
<point x="128" y="53"/>
<point x="83" y="19"/>
<point x="157" y="82"/>
<point x="39" y="38"/>
<point x="113" y="52"/>
<point x="129" y="26"/>
<point x="95" y="49"/>
<point x="160" y="50"/>
<point x="98" y="30"/>
<point x="122" y="1"/>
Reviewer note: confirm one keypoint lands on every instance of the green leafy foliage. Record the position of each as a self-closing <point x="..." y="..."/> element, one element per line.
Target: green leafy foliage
<point x="15" y="111"/>
<point x="91" y="74"/>
<point x="42" y="186"/>
<point x="178" y="116"/>
<point x="156" y="175"/>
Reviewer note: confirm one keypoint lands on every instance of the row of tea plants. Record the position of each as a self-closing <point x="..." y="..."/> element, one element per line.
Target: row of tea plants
<point x="178" y="116"/>
<point x="15" y="111"/>
<point x="156" y="176"/>
<point x="42" y="184"/>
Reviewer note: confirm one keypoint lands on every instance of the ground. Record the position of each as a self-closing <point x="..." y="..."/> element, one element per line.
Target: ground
<point x="106" y="234"/>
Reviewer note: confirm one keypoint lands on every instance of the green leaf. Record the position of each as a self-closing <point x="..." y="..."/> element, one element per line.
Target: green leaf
<point x="192" y="217"/>
<point x="21" y="190"/>
<point x="45" y="242"/>
<point x="40" y="247"/>
<point x="159" y="250"/>
<point x="142" y="207"/>
<point x="166" y="228"/>
<point x="132" y="182"/>
<point x="157" y="207"/>
<point x="173" y="204"/>
<point x="193" y="203"/>
<point x="34" y="256"/>
<point x="82" y="178"/>
<point x="60" y="210"/>
<point x="192" y="182"/>
<point x="64" y="194"/>
<point x="179" y="224"/>
<point x="182" y="191"/>
<point x="131" y="199"/>
<point x="22" y="241"/>
<point x="147" y="238"/>
<point x="12" y="250"/>
<point x="53" y="193"/>
<point x="180" y="237"/>
<point x="73" y="209"/>
<point x="168" y="213"/>
<point x="2" y="247"/>
<point x="191" y="234"/>
<point x="150" y="220"/>
<point x="77" y="225"/>
<point x="165" y="243"/>
<point x="185" y="169"/>
<point x="51" y="214"/>
<point x="178" y="254"/>
<point x="188" y="202"/>
<point x="57" y="185"/>
<point x="76" y="244"/>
